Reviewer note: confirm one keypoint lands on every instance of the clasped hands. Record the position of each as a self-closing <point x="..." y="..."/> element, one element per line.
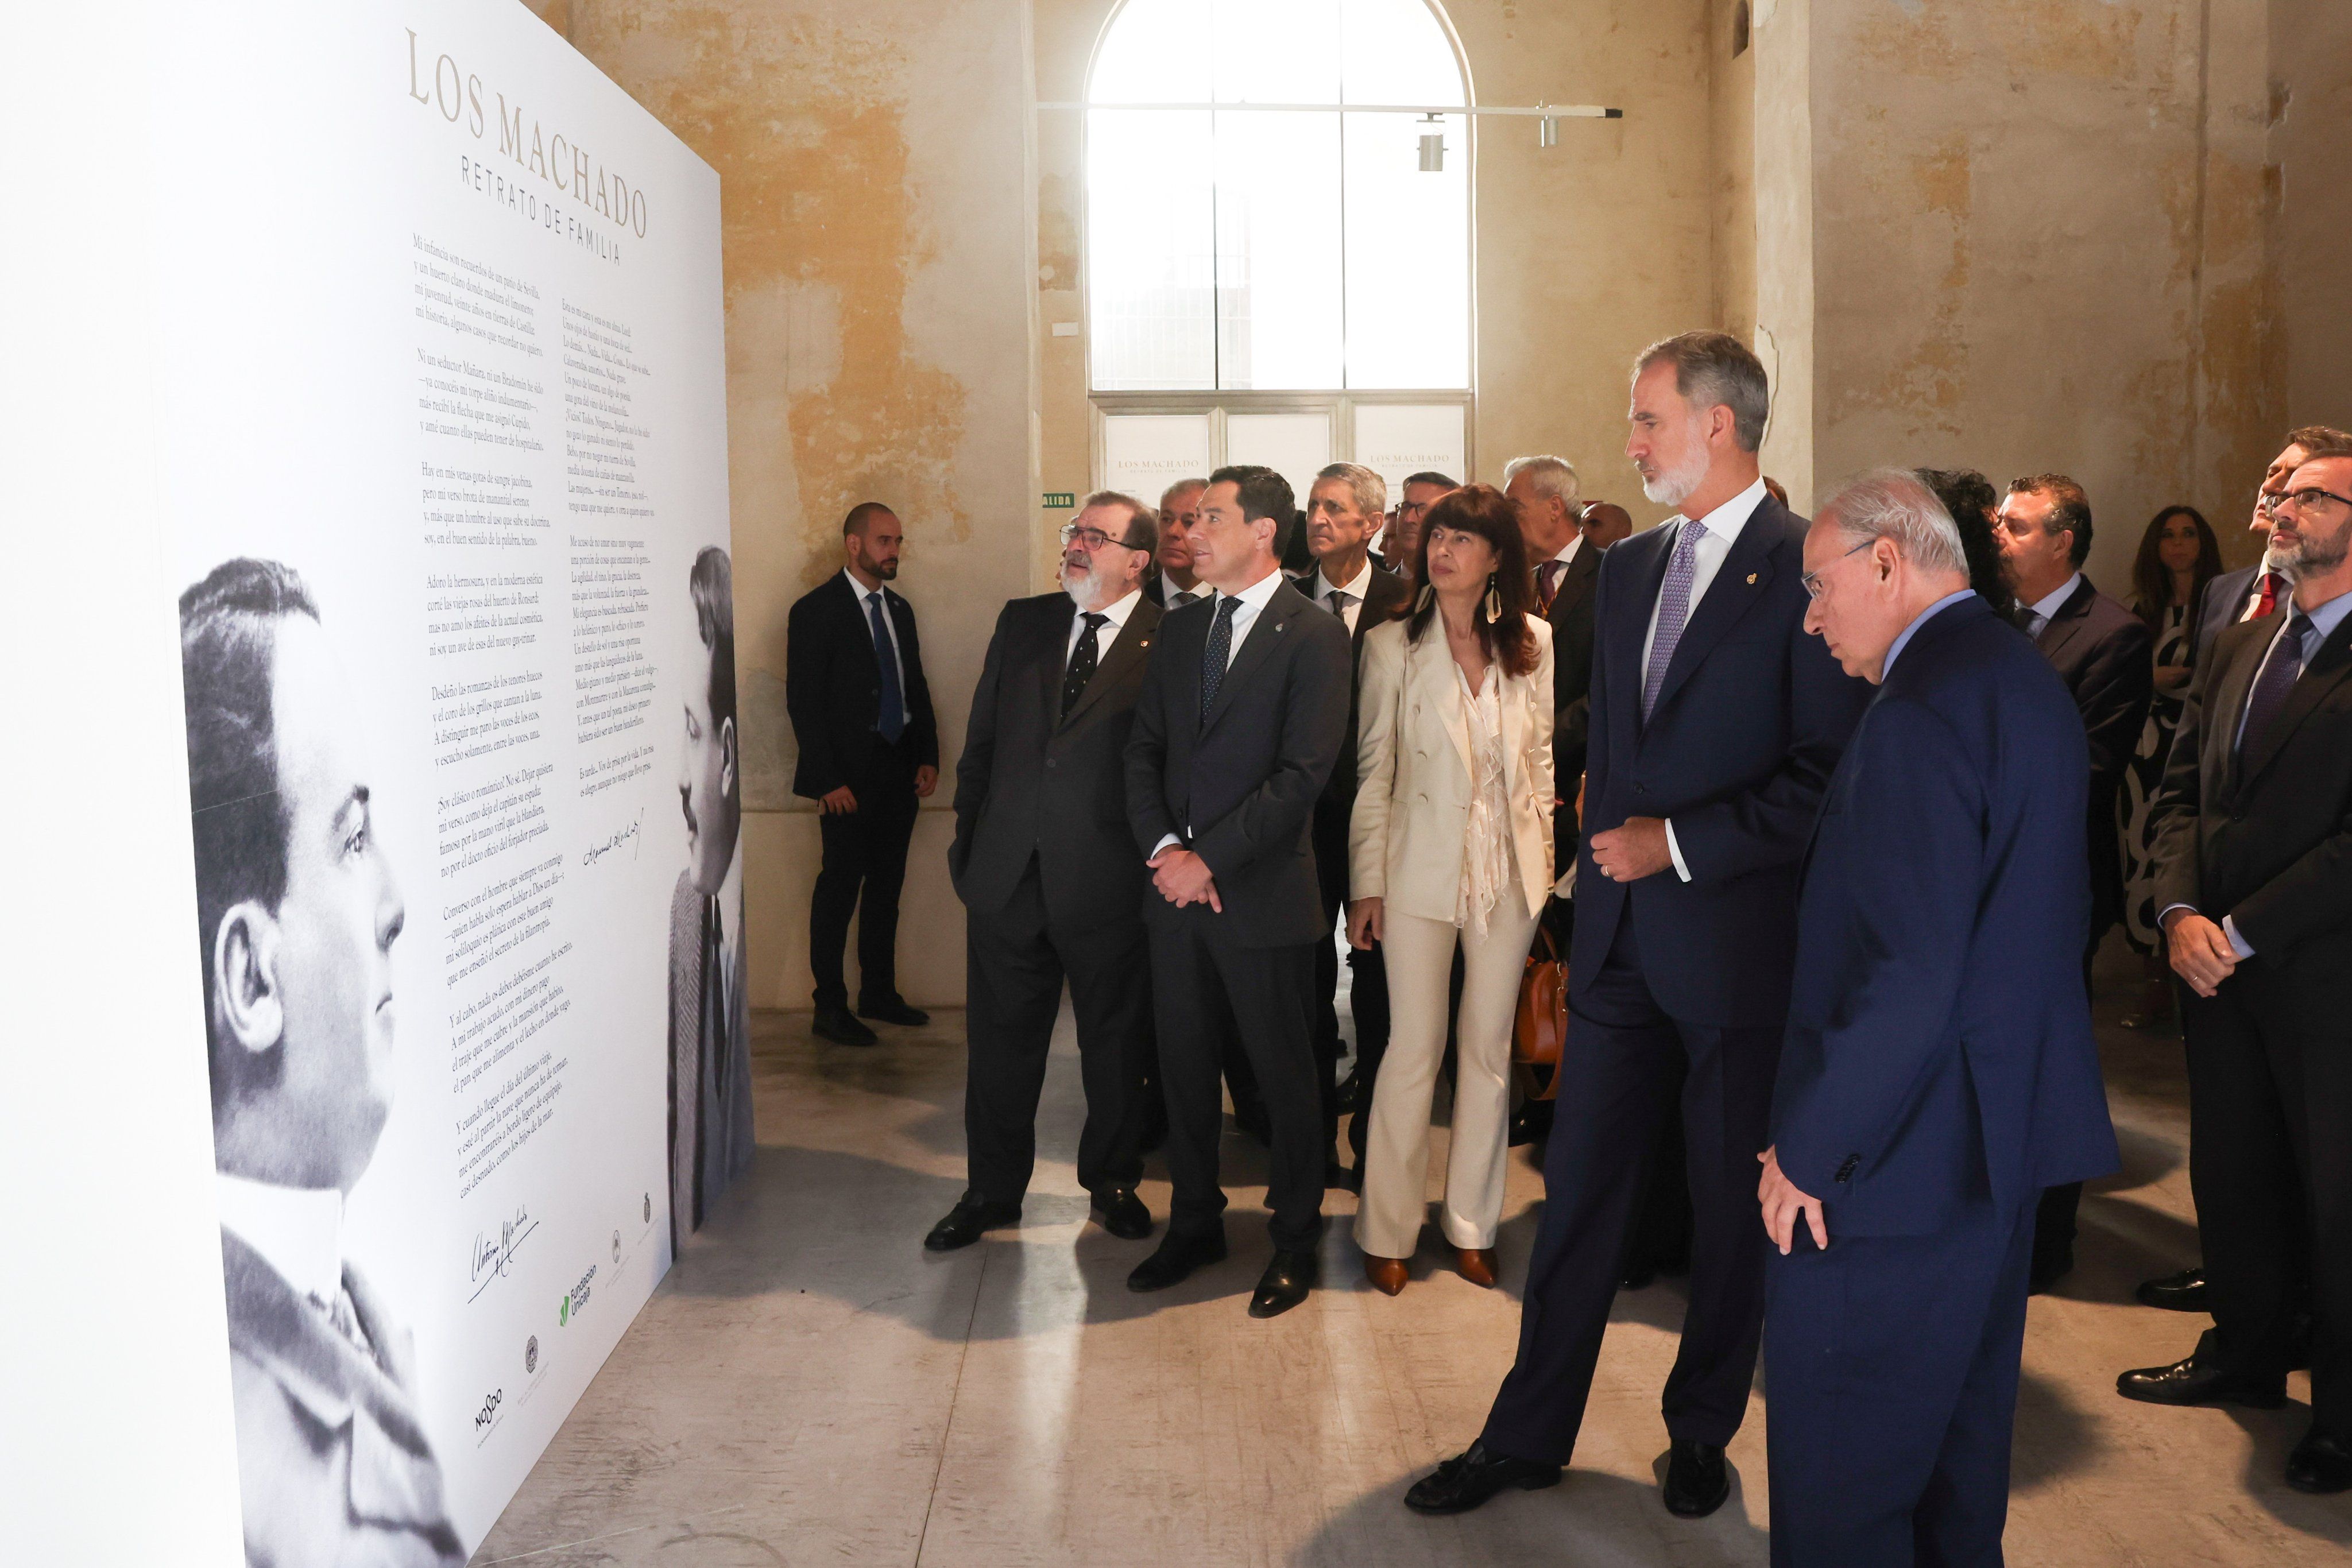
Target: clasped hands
<point x="1637" y="849"/>
<point x="2201" y="951"/>
<point x="1184" y="877"/>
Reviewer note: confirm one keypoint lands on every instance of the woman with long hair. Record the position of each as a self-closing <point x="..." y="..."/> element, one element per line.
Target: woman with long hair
<point x="1451" y="847"/>
<point x="2177" y="557"/>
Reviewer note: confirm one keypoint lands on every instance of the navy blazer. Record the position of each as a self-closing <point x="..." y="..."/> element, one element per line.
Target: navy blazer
<point x="1746" y="731"/>
<point x="2217" y="607"/>
<point x="1940" y="1049"/>
<point x="833" y="693"/>
<point x="1239" y="787"/>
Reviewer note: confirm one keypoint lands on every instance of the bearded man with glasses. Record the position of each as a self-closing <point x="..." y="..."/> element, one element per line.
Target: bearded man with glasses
<point x="1043" y="863"/>
<point x="2253" y="827"/>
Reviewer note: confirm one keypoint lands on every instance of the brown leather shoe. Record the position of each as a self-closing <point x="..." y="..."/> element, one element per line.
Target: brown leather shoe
<point x="1476" y="1263"/>
<point x="1387" y="1275"/>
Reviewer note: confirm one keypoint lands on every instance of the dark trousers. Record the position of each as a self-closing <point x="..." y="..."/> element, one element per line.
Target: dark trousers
<point x="864" y="858"/>
<point x="1890" y="1366"/>
<point x="2055" y="1219"/>
<point x="1015" y="961"/>
<point x="1617" y="1076"/>
<point x="1205" y="989"/>
<point x="1368" y="992"/>
<point x="2270" y="1099"/>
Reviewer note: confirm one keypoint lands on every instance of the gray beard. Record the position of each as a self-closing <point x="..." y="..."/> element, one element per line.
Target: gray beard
<point x="2282" y="561"/>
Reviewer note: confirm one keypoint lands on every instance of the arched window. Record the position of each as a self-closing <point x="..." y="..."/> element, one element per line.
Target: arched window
<point x="1290" y="248"/>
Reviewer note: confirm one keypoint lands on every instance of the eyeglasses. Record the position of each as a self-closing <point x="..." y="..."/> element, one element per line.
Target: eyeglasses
<point x="2305" y="500"/>
<point x="1812" y="580"/>
<point x="1093" y="539"/>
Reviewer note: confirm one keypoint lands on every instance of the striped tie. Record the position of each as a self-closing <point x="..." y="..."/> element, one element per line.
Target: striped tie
<point x="1673" y="612"/>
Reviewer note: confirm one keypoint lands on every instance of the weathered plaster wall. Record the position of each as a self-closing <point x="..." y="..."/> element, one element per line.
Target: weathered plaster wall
<point x="2311" y="144"/>
<point x="875" y="173"/>
<point x="2039" y="241"/>
<point x="1731" y="166"/>
<point x="1782" y="47"/>
<point x="1586" y="251"/>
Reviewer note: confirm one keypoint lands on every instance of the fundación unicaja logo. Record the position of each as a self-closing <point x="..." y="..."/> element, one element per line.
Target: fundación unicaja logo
<point x="649" y="1208"/>
<point x="530" y="1354"/>
<point x="563" y="1310"/>
<point x="616" y="1249"/>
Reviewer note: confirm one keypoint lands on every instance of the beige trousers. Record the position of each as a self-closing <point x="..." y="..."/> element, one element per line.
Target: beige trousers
<point x="1420" y="955"/>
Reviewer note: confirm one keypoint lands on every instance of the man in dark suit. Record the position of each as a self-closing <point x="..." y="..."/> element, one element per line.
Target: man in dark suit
<point x="2100" y="648"/>
<point x="296" y="912"/>
<point x="1238" y="726"/>
<point x="1051" y="884"/>
<point x="1342" y="508"/>
<point x="2250" y="593"/>
<point x="1173" y="584"/>
<point x="870" y="752"/>
<point x="1400" y="539"/>
<point x="1715" y="724"/>
<point x="710" y="1137"/>
<point x="2255" y="892"/>
<point x="1605" y="523"/>
<point x="1939" y="1071"/>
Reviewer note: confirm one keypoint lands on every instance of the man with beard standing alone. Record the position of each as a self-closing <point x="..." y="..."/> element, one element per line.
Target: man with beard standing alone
<point x="1715" y="724"/>
<point x="1051" y="884"/>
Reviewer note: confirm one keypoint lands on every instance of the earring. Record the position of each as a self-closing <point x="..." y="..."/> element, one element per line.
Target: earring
<point x="1494" y="599"/>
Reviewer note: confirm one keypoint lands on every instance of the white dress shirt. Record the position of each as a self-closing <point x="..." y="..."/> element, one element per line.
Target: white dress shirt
<point x="1723" y="526"/>
<point x="1114" y="624"/>
<point x="2042" y="610"/>
<point x="1247" y="603"/>
<point x="297" y="1230"/>
<point x="1354" y="589"/>
<point x="890" y="623"/>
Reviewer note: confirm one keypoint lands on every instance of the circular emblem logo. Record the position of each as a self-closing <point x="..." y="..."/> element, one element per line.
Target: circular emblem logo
<point x="530" y="1355"/>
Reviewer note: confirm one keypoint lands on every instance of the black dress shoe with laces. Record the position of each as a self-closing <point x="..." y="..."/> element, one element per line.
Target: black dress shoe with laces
<point x="894" y="1010"/>
<point x="2322" y="1462"/>
<point x="1122" y="1213"/>
<point x="2201" y="1380"/>
<point x="1467" y="1479"/>
<point x="841" y="1027"/>
<point x="1697" y="1481"/>
<point x="1177" y="1257"/>
<point x="971" y="1215"/>
<point x="1285" y="1282"/>
<point x="2181" y="1292"/>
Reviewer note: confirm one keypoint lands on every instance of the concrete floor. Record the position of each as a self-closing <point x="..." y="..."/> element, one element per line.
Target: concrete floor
<point x="809" y="1386"/>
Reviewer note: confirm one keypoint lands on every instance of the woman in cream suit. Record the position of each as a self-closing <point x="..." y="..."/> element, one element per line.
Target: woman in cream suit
<point x="1451" y="844"/>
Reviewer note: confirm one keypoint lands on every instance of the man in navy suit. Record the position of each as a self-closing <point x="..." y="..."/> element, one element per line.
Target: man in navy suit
<point x="1716" y="723"/>
<point x="1938" y="1071"/>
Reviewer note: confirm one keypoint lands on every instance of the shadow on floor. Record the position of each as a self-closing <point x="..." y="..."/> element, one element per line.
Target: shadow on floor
<point x="1590" y="1520"/>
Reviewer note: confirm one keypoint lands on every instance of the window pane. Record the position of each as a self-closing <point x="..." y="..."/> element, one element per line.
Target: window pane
<point x="1395" y="51"/>
<point x="1275" y="51"/>
<point x="1408" y="254"/>
<point x="1158" y="52"/>
<point x="1295" y="445"/>
<point x="1278" y="235"/>
<point x="1143" y="453"/>
<point x="1150" y="288"/>
<point x="1394" y="440"/>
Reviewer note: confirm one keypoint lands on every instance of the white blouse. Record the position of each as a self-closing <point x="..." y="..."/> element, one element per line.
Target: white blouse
<point x="1487" y="864"/>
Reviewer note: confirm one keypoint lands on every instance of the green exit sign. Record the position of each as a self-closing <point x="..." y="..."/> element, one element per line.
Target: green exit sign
<point x="1065" y="498"/>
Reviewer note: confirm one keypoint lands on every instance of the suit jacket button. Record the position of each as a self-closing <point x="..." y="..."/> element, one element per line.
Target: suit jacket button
<point x="1050" y="762"/>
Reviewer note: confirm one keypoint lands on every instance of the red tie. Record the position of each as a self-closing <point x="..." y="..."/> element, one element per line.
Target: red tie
<point x="1548" y="584"/>
<point x="2268" y="602"/>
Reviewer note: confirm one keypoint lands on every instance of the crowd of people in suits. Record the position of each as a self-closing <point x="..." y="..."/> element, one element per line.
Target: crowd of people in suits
<point x="1828" y="921"/>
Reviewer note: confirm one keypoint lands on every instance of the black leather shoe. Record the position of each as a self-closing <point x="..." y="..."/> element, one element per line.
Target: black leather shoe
<point x="1467" y="1479"/>
<point x="971" y="1215"/>
<point x="1530" y="1123"/>
<point x="1345" y="1097"/>
<point x="1340" y="1176"/>
<point x="1285" y="1282"/>
<point x="2047" y="1271"/>
<point x="893" y="1012"/>
<point x="1175" y="1260"/>
<point x="2322" y="1462"/>
<point x="1122" y="1213"/>
<point x="2200" y="1380"/>
<point x="1638" y="1277"/>
<point x="1697" y="1481"/>
<point x="837" y="1025"/>
<point x="2181" y="1292"/>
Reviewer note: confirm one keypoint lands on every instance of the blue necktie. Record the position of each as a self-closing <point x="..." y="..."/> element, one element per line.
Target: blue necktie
<point x="890" y="716"/>
<point x="2279" y="673"/>
<point x="1218" y="653"/>
<point x="1674" y="610"/>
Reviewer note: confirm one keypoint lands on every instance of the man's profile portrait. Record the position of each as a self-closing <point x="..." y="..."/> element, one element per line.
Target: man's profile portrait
<point x="709" y="1011"/>
<point x="297" y="913"/>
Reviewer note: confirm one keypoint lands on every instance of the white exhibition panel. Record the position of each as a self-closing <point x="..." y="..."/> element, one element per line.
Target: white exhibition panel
<point x="405" y="297"/>
<point x="1394" y="440"/>
<point x="1295" y="446"/>
<point x="1143" y="453"/>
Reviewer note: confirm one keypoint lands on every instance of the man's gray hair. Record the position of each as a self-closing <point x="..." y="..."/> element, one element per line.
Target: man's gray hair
<point x="1551" y="476"/>
<point x="1893" y="504"/>
<point x="1177" y="488"/>
<point x="1712" y="367"/>
<point x="1371" y="491"/>
<point x="1142" y="522"/>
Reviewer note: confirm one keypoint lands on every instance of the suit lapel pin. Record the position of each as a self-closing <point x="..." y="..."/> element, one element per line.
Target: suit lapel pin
<point x="1751" y="580"/>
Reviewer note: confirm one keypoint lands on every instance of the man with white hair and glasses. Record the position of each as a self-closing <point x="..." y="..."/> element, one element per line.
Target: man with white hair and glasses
<point x="1938" y="1069"/>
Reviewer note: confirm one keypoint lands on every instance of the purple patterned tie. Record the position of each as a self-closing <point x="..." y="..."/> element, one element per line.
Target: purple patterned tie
<point x="1674" y="610"/>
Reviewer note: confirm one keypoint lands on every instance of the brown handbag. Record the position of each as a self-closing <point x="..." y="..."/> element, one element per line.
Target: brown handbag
<point x="1541" y="1027"/>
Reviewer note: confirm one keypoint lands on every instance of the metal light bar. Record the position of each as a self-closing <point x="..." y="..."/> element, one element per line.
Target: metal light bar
<point x="1541" y="112"/>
